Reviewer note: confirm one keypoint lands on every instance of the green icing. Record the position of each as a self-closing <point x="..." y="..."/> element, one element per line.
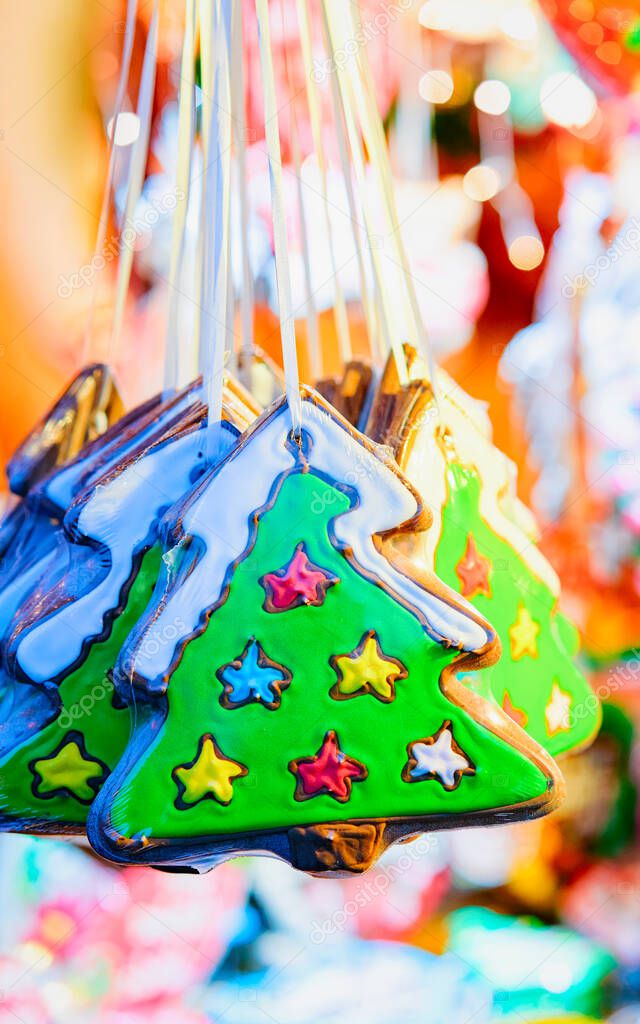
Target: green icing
<point x="528" y="681"/>
<point x="87" y="719"/>
<point x="303" y="639"/>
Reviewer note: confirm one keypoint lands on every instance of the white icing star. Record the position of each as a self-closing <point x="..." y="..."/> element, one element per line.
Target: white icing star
<point x="558" y="710"/>
<point x="439" y="759"/>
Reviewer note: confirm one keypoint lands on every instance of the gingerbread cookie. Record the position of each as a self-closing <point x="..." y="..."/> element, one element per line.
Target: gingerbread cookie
<point x="35" y="532"/>
<point x="36" y="545"/>
<point x="69" y="726"/>
<point x="351" y="393"/>
<point x="482" y="543"/>
<point x="309" y="706"/>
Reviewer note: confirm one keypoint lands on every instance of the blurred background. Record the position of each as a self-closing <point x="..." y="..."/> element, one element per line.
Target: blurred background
<point x="514" y="136"/>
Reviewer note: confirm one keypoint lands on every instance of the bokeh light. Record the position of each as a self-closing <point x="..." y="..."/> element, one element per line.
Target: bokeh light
<point x="481" y="183"/>
<point x="566" y="100"/>
<point x="526" y="252"/>
<point x="127" y="128"/>
<point x="492" y="97"/>
<point x="436" y="86"/>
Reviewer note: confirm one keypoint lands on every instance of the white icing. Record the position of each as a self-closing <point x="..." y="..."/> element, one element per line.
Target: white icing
<point x="17" y="590"/>
<point x="439" y="759"/>
<point x="63" y="486"/>
<point x="119" y="515"/>
<point x="221" y="517"/>
<point x="558" y="711"/>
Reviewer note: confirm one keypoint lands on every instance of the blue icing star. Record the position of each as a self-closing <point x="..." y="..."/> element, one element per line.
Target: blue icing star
<point x="253" y="677"/>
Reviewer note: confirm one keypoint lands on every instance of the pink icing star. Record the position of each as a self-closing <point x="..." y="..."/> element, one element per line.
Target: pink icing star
<point x="329" y="771"/>
<point x="299" y="582"/>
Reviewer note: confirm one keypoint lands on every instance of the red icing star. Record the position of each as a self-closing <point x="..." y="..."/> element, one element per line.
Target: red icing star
<point x="299" y="582"/>
<point x="473" y="571"/>
<point x="517" y="715"/>
<point x="328" y="772"/>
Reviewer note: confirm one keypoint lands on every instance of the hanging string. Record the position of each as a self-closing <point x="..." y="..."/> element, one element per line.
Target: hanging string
<point x="313" y="335"/>
<point x="186" y="132"/>
<point x="283" y="275"/>
<point x="207" y="200"/>
<point x="373" y="321"/>
<point x="315" y="118"/>
<point x="125" y="67"/>
<point x="371" y="298"/>
<point x="230" y="353"/>
<point x="205" y="17"/>
<point x="217" y="200"/>
<point x="389" y="285"/>
<point x="136" y="178"/>
<point x="376" y="143"/>
<point x="239" y="115"/>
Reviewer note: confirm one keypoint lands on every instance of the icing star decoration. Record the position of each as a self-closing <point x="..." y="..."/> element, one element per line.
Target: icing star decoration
<point x="437" y="757"/>
<point x="68" y="771"/>
<point x="209" y="775"/>
<point x="367" y="669"/>
<point x="523" y="635"/>
<point x="329" y="772"/>
<point x="473" y="571"/>
<point x="253" y="678"/>
<point x="300" y="582"/>
<point x="557" y="711"/>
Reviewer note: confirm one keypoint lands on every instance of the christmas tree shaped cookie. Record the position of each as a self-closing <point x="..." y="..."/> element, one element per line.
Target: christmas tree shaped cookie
<point x="309" y="707"/>
<point x="34" y="547"/>
<point x="75" y="423"/>
<point x="482" y="544"/>
<point x="34" y="535"/>
<point x="56" y="753"/>
<point x="35" y="528"/>
<point x="35" y="543"/>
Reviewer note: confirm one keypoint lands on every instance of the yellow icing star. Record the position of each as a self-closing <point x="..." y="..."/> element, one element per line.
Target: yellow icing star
<point x="208" y="775"/>
<point x="68" y="770"/>
<point x="366" y="670"/>
<point x="557" y="711"/>
<point x="523" y="635"/>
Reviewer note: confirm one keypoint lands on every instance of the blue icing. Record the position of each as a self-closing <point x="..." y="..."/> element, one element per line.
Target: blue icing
<point x="247" y="680"/>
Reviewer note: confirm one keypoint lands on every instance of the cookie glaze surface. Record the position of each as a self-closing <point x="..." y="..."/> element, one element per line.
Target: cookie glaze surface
<point x="55" y="754"/>
<point x="483" y="544"/>
<point x="535" y="657"/>
<point x="48" y="780"/>
<point x="320" y="756"/>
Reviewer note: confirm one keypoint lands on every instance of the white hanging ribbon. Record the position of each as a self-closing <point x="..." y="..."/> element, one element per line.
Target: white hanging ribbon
<point x="373" y="320"/>
<point x="125" y="67"/>
<point x="283" y="275"/>
<point x="315" y="118"/>
<point x="313" y="335"/>
<point x="186" y="131"/>
<point x="239" y="114"/>
<point x="137" y="169"/>
<point x="216" y="222"/>
<point x="373" y="134"/>
<point x="389" y="282"/>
